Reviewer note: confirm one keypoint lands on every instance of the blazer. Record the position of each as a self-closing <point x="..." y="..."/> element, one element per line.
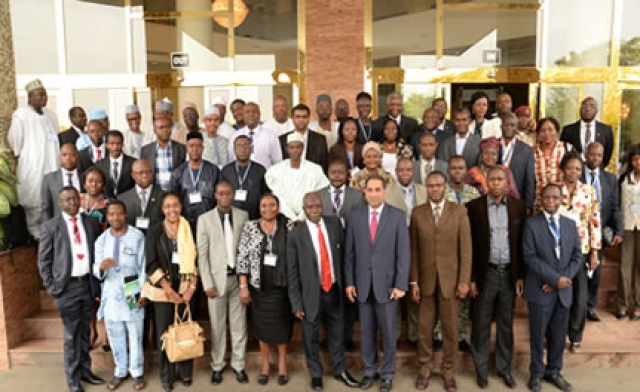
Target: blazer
<point x="254" y="184"/>
<point x="303" y="272"/>
<point x="604" y="135"/>
<point x="178" y="154"/>
<point x="610" y="214"/>
<point x="480" y="234"/>
<point x="542" y="264"/>
<point x="68" y="136"/>
<point x="408" y="126"/>
<point x="131" y="200"/>
<point x="441" y="136"/>
<point x="125" y="181"/>
<point x="51" y="185"/>
<point x="395" y="197"/>
<point x="471" y="151"/>
<point x="439" y="166"/>
<point x="522" y="167"/>
<point x="212" y="248"/>
<point x="382" y="265"/>
<point x="362" y="133"/>
<point x="317" y="151"/>
<point x="352" y="199"/>
<point x="54" y="254"/>
<point x="440" y="255"/>
<point x="85" y="160"/>
<point x="338" y="152"/>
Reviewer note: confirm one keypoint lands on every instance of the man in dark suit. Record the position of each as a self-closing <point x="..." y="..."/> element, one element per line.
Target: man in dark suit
<point x="65" y="261"/>
<point x="608" y="194"/>
<point x="316" y="293"/>
<point x="246" y="177"/>
<point x="376" y="272"/>
<point x="143" y="201"/>
<point x="96" y="151"/>
<point x="552" y="255"/>
<point x="518" y="157"/>
<point x="117" y="166"/>
<point x="588" y="130"/>
<point x="496" y="276"/>
<point x="462" y="143"/>
<point x="365" y="124"/>
<point x="78" y="119"/>
<point x="168" y="153"/>
<point x="408" y="126"/>
<point x="426" y="159"/>
<point x="440" y="275"/>
<point x="67" y="175"/>
<point x="315" y="144"/>
<point x="429" y="124"/>
<point x="446" y="126"/>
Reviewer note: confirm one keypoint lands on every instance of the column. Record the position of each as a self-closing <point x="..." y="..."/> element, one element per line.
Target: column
<point x="8" y="99"/>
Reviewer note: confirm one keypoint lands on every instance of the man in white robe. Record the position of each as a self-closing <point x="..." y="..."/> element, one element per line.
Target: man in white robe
<point x="293" y="178"/>
<point x="134" y="137"/>
<point x="33" y="137"/>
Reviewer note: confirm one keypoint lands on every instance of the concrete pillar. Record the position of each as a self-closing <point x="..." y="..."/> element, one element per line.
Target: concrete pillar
<point x="8" y="99"/>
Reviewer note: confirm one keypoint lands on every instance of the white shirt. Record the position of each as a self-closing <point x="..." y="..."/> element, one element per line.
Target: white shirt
<point x="379" y="209"/>
<point x="313" y="230"/>
<point x="507" y="151"/>
<point x="439" y="205"/>
<point x="133" y="141"/>
<point x="75" y="179"/>
<point x="461" y="142"/>
<point x="113" y="160"/>
<point x="226" y="130"/>
<point x="78" y="130"/>
<point x="147" y="195"/>
<point x="266" y="146"/>
<point x="279" y="128"/>
<point x="330" y="134"/>
<point x="583" y="134"/>
<point x="80" y="267"/>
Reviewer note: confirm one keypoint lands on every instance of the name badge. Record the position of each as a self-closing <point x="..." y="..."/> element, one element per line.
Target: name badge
<point x="241" y="195"/>
<point x="164" y="176"/>
<point x="142" y="222"/>
<point x="175" y="259"/>
<point x="270" y="260"/>
<point x="635" y="208"/>
<point x="195" y="197"/>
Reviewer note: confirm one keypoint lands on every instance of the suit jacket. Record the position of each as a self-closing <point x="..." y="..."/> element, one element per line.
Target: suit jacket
<point x="212" y="248"/>
<point x="254" y="184"/>
<point x="305" y="281"/>
<point x="178" y="154"/>
<point x="471" y="151"/>
<point x="382" y="265"/>
<point x="55" y="259"/>
<point x="449" y="127"/>
<point x="610" y="215"/>
<point x="131" y="200"/>
<point x="481" y="236"/>
<point x="542" y="264"/>
<point x="125" y="181"/>
<point x="604" y="135"/>
<point x="395" y="197"/>
<point x="522" y="167"/>
<point x="440" y="255"/>
<point x="441" y="136"/>
<point x="352" y="199"/>
<point x="338" y="152"/>
<point x="85" y="160"/>
<point x="362" y="137"/>
<point x="439" y="166"/>
<point x="408" y="126"/>
<point x="317" y="151"/>
<point x="68" y="136"/>
<point x="51" y="185"/>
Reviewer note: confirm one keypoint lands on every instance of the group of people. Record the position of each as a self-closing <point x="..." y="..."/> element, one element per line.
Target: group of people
<point x="445" y="222"/>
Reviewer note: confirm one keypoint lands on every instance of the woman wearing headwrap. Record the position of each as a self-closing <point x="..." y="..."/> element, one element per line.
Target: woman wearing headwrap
<point x="372" y="156"/>
<point x="477" y="175"/>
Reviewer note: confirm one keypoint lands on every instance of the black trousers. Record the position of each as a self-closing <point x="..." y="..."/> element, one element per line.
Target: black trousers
<point x="350" y="317"/>
<point x="76" y="306"/>
<point x="550" y="322"/>
<point x="593" y="283"/>
<point x="498" y="295"/>
<point x="164" y="316"/>
<point x="578" y="316"/>
<point x="330" y="314"/>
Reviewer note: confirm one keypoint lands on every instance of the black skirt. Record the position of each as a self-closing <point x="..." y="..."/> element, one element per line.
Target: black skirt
<point x="271" y="317"/>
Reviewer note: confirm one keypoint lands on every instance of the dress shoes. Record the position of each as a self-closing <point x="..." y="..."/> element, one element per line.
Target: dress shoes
<point x="216" y="377"/>
<point x="167" y="387"/>
<point x="350" y="345"/>
<point x="76" y="388"/>
<point x="463" y="346"/>
<point x="508" y="380"/>
<point x="593" y="316"/>
<point x="634" y="317"/>
<point x="347" y="379"/>
<point x="386" y="385"/>
<point x="437" y="345"/>
<point x="482" y="382"/>
<point x="450" y="384"/>
<point x="316" y="384"/>
<point x="186" y="382"/>
<point x="535" y="383"/>
<point x="559" y="381"/>
<point x="367" y="382"/>
<point x="575" y="347"/>
<point x="283" y="379"/>
<point x="241" y="376"/>
<point x="93" y="379"/>
<point x="422" y="381"/>
<point x="263" y="379"/>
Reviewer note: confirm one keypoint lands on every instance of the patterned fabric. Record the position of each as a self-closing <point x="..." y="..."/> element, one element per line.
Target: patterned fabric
<point x="529" y="138"/>
<point x="548" y="169"/>
<point x="218" y="156"/>
<point x="359" y="180"/>
<point x="583" y="208"/>
<point x="404" y="150"/>
<point x="98" y="211"/>
<point x="467" y="194"/>
<point x="476" y="178"/>
<point x="164" y="163"/>
<point x="630" y="195"/>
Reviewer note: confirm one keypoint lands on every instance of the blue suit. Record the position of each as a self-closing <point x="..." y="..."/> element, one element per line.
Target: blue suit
<point x="375" y="269"/>
<point x="549" y="311"/>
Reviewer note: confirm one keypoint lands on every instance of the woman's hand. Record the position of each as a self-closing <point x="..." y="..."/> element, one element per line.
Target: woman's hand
<point x="245" y="296"/>
<point x="174" y="297"/>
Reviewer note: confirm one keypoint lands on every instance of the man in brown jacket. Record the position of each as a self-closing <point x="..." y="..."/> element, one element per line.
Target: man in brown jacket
<point x="439" y="275"/>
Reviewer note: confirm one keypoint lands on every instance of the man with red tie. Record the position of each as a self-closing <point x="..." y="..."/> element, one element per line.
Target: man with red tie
<point x="314" y="257"/>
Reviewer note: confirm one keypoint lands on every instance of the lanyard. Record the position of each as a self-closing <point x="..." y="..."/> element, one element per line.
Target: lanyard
<point x="367" y="131"/>
<point x="195" y="181"/>
<point x="88" y="210"/>
<point x="270" y="237"/>
<point x="242" y="179"/>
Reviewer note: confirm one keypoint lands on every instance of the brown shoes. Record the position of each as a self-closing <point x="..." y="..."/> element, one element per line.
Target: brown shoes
<point x="450" y="384"/>
<point x="422" y="382"/>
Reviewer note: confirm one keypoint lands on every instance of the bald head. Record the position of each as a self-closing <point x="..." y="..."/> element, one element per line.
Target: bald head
<point x="141" y="173"/>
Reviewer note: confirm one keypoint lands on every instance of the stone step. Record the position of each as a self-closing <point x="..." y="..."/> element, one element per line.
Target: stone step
<point x="46" y="302"/>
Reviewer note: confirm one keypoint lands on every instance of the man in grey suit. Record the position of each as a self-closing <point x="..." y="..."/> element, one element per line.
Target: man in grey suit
<point x="376" y="273"/>
<point x="65" y="262"/>
<point x="427" y="161"/>
<point x="518" y="157"/>
<point x="314" y="260"/>
<point x="552" y="255"/>
<point x="462" y="143"/>
<point x="166" y="152"/>
<point x="143" y="201"/>
<point x="218" y="235"/>
<point x="67" y="175"/>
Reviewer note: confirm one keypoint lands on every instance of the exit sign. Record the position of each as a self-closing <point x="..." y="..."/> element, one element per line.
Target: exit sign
<point x="492" y="56"/>
<point x="179" y="60"/>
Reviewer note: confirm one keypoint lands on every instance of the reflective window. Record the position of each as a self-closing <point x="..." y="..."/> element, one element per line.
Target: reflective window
<point x="629" y="119"/>
<point x="563" y="101"/>
<point x="630" y="37"/>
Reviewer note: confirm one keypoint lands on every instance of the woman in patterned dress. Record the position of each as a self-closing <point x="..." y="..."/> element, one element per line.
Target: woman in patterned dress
<point x="548" y="154"/>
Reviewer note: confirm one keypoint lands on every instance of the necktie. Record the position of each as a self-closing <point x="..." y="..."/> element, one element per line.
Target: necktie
<point x="77" y="239"/>
<point x="436" y="215"/>
<point x="587" y="137"/>
<point x="143" y="200"/>
<point x="427" y="169"/>
<point x="69" y="179"/>
<point x="98" y="154"/>
<point x="593" y="177"/>
<point x="325" y="264"/>
<point x="595" y="184"/>
<point x="555" y="230"/>
<point x="251" y="133"/>
<point x="228" y="237"/>
<point x="336" y="200"/>
<point x="115" y="172"/>
<point x="373" y="226"/>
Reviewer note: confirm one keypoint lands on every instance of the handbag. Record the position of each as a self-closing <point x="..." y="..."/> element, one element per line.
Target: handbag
<point x="183" y="339"/>
<point x="157" y="294"/>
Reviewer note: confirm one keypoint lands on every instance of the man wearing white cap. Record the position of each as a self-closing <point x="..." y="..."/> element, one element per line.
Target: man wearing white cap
<point x="33" y="137"/>
<point x="95" y="114"/>
<point x="225" y="129"/>
<point x="265" y="147"/>
<point x="215" y="145"/>
<point x="293" y="178"/>
<point x="280" y="123"/>
<point x="164" y="107"/>
<point x="134" y="137"/>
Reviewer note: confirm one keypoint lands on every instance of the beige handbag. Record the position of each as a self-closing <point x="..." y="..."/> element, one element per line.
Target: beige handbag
<point x="183" y="339"/>
<point x="157" y="294"/>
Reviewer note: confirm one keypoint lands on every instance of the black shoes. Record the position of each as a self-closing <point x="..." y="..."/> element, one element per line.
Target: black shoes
<point x="347" y="379"/>
<point x="593" y="316"/>
<point x="76" y="388"/>
<point x="481" y="382"/>
<point x="559" y="381"/>
<point x="93" y="379"/>
<point x="386" y="385"/>
<point x="316" y="384"/>
<point x="437" y="345"/>
<point x="283" y="379"/>
<point x="263" y="379"/>
<point x="508" y="380"/>
<point x="241" y="376"/>
<point x="367" y="382"/>
<point x="535" y="383"/>
<point x="463" y="346"/>
<point x="167" y="387"/>
<point x="216" y="377"/>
